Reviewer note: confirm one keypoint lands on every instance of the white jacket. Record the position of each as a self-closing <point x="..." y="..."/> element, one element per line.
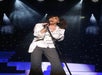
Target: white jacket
<point x="44" y="40"/>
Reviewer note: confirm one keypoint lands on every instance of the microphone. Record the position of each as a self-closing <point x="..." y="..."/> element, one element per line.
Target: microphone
<point x="45" y="25"/>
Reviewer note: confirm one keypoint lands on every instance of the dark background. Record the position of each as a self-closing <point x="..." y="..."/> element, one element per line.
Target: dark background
<point x="83" y="38"/>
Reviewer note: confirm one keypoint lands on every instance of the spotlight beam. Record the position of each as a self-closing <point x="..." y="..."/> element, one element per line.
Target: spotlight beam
<point x="23" y="16"/>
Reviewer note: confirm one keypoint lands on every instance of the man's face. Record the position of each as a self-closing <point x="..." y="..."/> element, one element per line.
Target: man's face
<point x="54" y="20"/>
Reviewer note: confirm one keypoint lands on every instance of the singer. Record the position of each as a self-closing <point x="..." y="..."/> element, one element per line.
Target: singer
<point x="43" y="44"/>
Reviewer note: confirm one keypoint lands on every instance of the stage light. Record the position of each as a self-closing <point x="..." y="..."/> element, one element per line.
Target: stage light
<point x="93" y="28"/>
<point x="23" y="16"/>
<point x="95" y="1"/>
<point x="7" y="28"/>
<point x="92" y="18"/>
<point x="6" y="19"/>
<point x="60" y="0"/>
<point x="81" y="1"/>
<point x="44" y="18"/>
<point x="1" y="0"/>
<point x="40" y="0"/>
<point x="73" y="17"/>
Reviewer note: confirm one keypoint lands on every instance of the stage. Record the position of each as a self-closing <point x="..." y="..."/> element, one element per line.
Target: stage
<point x="82" y="44"/>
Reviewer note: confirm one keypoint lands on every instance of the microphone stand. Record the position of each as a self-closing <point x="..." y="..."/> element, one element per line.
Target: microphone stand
<point x="58" y="49"/>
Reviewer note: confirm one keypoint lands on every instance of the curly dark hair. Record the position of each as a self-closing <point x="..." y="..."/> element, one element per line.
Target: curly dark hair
<point x="62" y="24"/>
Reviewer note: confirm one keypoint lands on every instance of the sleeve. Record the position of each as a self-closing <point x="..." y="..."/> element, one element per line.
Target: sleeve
<point x="59" y="35"/>
<point x="37" y="32"/>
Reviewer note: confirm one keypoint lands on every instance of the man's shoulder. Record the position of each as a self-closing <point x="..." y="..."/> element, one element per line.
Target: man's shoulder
<point x="38" y="25"/>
